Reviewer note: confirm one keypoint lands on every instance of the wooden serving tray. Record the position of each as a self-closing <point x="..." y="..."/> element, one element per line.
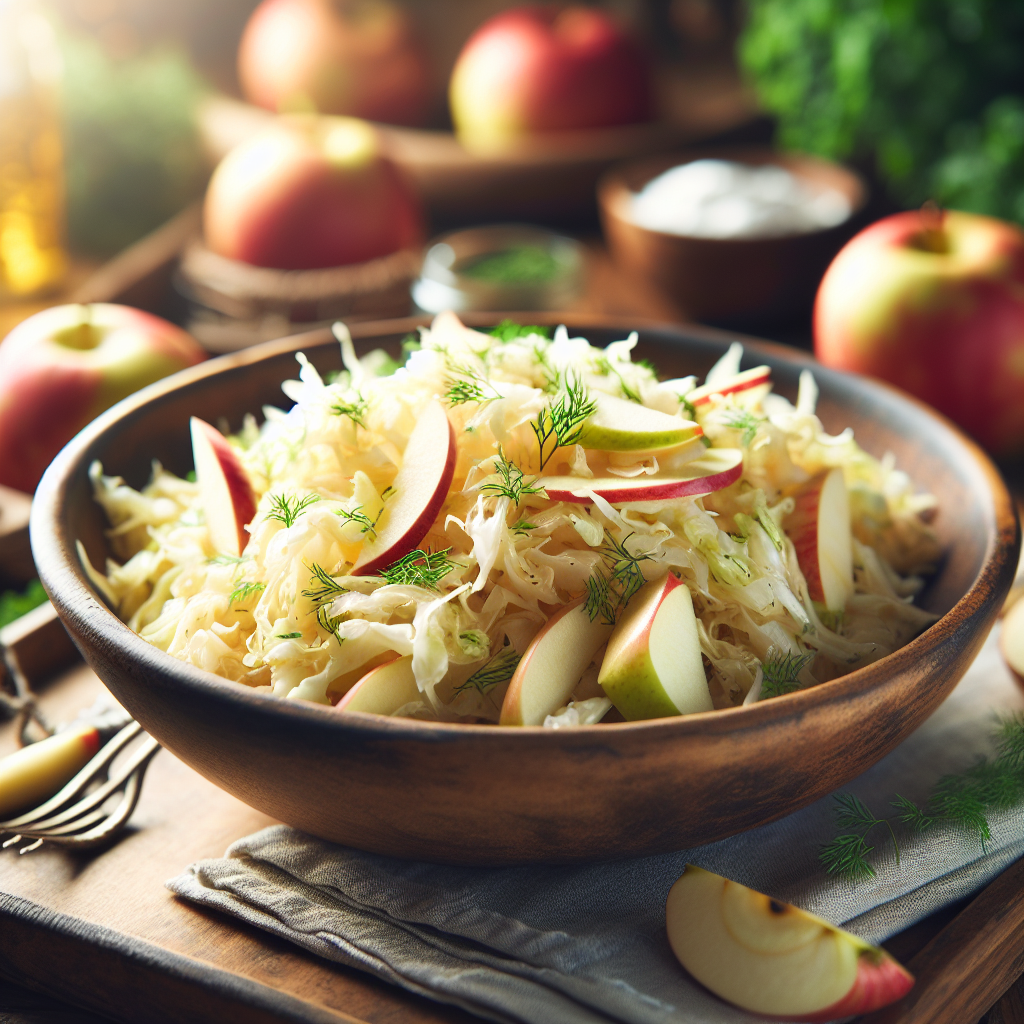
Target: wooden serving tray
<point x="99" y="930"/>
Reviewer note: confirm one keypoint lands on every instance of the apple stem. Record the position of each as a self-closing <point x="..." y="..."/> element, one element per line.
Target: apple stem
<point x="932" y="237"/>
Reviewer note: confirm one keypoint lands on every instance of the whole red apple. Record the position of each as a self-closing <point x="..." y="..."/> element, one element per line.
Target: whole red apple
<point x="543" y="69"/>
<point x="934" y="303"/>
<point x="360" y="58"/>
<point x="62" y="367"/>
<point x="310" y="192"/>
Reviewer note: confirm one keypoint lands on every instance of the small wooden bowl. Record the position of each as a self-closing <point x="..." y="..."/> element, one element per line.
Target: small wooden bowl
<point x="475" y="794"/>
<point x="728" y="278"/>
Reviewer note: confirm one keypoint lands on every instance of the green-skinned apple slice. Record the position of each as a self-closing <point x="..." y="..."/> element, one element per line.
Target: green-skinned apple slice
<point x="552" y="665"/>
<point x="620" y="426"/>
<point x="224" y="489"/>
<point x="717" y="468"/>
<point x="384" y="689"/>
<point x="653" y="667"/>
<point x="773" y="958"/>
<point x="419" y="491"/>
<point x="748" y="387"/>
<point x="819" y="527"/>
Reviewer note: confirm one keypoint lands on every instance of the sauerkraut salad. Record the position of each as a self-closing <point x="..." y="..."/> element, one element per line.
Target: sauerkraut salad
<point x="470" y="590"/>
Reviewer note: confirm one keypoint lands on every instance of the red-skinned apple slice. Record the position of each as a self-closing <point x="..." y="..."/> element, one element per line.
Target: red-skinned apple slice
<point x="552" y="665"/>
<point x="819" y="527"/>
<point x="620" y="426"/>
<point x="653" y="667"/>
<point x="1011" y="638"/>
<point x="224" y="489"/>
<point x="420" y="488"/>
<point x="755" y="383"/>
<point x="384" y="689"/>
<point x="716" y="469"/>
<point x="773" y="958"/>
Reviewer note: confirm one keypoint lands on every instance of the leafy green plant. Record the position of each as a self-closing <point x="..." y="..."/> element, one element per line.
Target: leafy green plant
<point x="931" y="90"/>
<point x="420" y="569"/>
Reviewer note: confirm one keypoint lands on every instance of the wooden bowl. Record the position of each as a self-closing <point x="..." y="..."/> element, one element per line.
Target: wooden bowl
<point x="728" y="278"/>
<point x="474" y="794"/>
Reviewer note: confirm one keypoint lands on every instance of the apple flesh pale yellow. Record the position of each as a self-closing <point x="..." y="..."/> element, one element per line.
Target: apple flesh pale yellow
<point x="653" y="667"/>
<point x="1011" y="638"/>
<point x="819" y="527"/>
<point x="224" y="490"/>
<point x="552" y="665"/>
<point x="620" y="426"/>
<point x="717" y="468"/>
<point x="384" y="689"/>
<point x="773" y="958"/>
<point x="419" y="491"/>
<point x="748" y="387"/>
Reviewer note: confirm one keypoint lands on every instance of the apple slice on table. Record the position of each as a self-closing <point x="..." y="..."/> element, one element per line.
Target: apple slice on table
<point x="552" y="665"/>
<point x="653" y="667"/>
<point x="224" y="489"/>
<point x="772" y="958"/>
<point x="384" y="689"/>
<point x="620" y="426"/>
<point x="1011" y="638"/>
<point x="749" y="387"/>
<point x="419" y="491"/>
<point x="819" y="527"/>
<point x="716" y="469"/>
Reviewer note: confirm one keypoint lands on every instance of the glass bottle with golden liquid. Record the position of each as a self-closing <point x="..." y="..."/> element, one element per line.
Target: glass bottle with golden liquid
<point x="32" y="255"/>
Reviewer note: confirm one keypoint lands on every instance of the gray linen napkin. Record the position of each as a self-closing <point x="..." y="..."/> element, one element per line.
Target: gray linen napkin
<point x="587" y="944"/>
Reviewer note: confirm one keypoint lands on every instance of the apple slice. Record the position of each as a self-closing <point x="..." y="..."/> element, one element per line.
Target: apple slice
<point x="751" y="384"/>
<point x="552" y="665"/>
<point x="224" y="489"/>
<point x="419" y="491"/>
<point x="384" y="689"/>
<point x="1011" y="638"/>
<point x="653" y="667"/>
<point x="819" y="527"/>
<point x="717" y="468"/>
<point x="620" y="426"/>
<point x="772" y="958"/>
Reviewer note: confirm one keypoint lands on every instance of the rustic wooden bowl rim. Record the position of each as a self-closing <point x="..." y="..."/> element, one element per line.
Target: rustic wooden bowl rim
<point x="67" y="585"/>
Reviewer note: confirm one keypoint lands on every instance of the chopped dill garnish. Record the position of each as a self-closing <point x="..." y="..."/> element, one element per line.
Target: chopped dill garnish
<point x="562" y="421"/>
<point x="242" y="593"/>
<point x="287" y="510"/>
<point x="288" y="636"/>
<point x="468" y="386"/>
<point x="367" y="525"/>
<point x="512" y="484"/>
<point x="322" y="586"/>
<point x="962" y="800"/>
<point x="329" y="623"/>
<point x="604" y="365"/>
<point x="507" y="330"/>
<point x="420" y="569"/>
<point x="610" y="591"/>
<point x="355" y="410"/>
<point x="780" y="673"/>
<point x="228" y="559"/>
<point x="744" y="421"/>
<point x="499" y="669"/>
<point x="523" y="527"/>
<point x="599" y="599"/>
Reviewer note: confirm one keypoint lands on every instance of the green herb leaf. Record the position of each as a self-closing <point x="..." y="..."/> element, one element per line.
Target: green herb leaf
<point x="242" y="593"/>
<point x="523" y="527"/>
<point x="288" y="636"/>
<point x="747" y="422"/>
<point x="355" y="410"/>
<point x="420" y="569"/>
<point x="499" y="669"/>
<point x="329" y="623"/>
<point x="560" y="424"/>
<point x="512" y="484"/>
<point x="367" y="525"/>
<point x="507" y="330"/>
<point x="322" y="586"/>
<point x="780" y="673"/>
<point x="287" y="510"/>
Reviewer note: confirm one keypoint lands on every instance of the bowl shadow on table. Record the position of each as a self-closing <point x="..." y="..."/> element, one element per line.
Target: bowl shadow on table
<point x="416" y="789"/>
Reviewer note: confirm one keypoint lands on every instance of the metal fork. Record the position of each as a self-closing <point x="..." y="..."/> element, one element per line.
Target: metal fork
<point x="75" y="816"/>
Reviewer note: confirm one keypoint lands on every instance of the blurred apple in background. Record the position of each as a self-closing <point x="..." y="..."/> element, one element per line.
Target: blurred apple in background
<point x="361" y="58"/>
<point x="541" y="69"/>
<point x="933" y="302"/>
<point x="310" y="192"/>
<point x="62" y="367"/>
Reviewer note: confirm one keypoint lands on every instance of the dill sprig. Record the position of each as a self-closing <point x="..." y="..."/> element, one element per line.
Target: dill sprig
<point x="963" y="800"/>
<point x="420" y="569"/>
<point x="287" y="636"/>
<point x="560" y="424"/>
<point x="329" y="623"/>
<point x="744" y="421"/>
<point x="355" y="410"/>
<point x="610" y="591"/>
<point x="523" y="527"/>
<point x="467" y="385"/>
<point x="287" y="510"/>
<point x="508" y="330"/>
<point x="228" y="559"/>
<point x="512" y="485"/>
<point x="780" y="673"/>
<point x="243" y="591"/>
<point x="604" y="365"/>
<point x="322" y="586"/>
<point x="357" y="515"/>
<point x="499" y="669"/>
